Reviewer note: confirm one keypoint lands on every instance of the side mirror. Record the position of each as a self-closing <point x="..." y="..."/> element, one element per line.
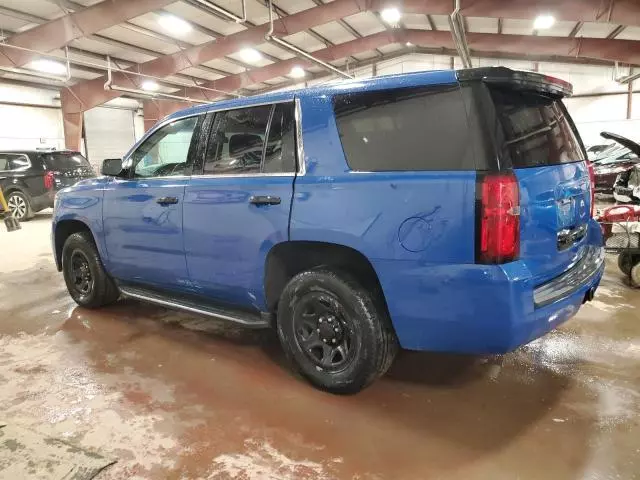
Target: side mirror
<point x="111" y="167"/>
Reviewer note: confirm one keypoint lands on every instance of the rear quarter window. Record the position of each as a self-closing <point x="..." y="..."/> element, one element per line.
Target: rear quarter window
<point x="405" y="129"/>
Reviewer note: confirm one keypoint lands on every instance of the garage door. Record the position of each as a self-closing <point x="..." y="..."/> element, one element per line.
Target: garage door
<point x="27" y="128"/>
<point x="109" y="133"/>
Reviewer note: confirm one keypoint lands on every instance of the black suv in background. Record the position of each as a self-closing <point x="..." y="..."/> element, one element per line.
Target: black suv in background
<point x="30" y="179"/>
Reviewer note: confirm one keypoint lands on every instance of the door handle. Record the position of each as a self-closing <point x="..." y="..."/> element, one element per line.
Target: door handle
<point x="167" y="200"/>
<point x="264" y="200"/>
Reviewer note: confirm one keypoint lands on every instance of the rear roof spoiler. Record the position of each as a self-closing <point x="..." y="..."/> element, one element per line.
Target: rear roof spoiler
<point x="517" y="79"/>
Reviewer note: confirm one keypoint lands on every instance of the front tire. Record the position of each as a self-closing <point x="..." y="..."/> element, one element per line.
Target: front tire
<point x="87" y="282"/>
<point x="19" y="205"/>
<point x="336" y="332"/>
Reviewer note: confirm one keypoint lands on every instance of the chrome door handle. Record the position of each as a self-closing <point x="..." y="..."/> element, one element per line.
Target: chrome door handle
<point x="264" y="200"/>
<point x="167" y="200"/>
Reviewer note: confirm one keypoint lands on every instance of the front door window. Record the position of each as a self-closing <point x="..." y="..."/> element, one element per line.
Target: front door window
<point x="165" y="152"/>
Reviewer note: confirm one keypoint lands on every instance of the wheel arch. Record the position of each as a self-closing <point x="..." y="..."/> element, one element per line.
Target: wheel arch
<point x="286" y="259"/>
<point x="63" y="230"/>
<point x="15" y="187"/>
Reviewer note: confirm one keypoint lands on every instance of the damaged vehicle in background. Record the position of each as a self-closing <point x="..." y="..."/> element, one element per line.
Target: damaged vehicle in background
<point x="627" y="186"/>
<point x="613" y="162"/>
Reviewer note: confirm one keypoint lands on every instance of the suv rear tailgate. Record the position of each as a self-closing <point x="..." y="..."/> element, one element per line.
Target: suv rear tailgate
<point x="534" y="136"/>
<point x="68" y="167"/>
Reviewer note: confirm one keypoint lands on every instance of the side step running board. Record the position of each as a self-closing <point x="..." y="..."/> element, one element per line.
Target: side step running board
<point x="247" y="319"/>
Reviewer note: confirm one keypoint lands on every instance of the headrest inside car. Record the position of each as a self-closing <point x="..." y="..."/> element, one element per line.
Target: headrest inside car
<point x="242" y="143"/>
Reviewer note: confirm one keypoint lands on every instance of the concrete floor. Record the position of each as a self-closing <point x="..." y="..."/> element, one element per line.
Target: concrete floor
<point x="209" y="401"/>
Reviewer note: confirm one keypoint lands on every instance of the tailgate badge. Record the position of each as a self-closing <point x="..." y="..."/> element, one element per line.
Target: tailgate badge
<point x="566" y="212"/>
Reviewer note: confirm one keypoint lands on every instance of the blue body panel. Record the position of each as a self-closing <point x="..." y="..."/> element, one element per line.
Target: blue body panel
<point x="82" y="203"/>
<point x="417" y="229"/>
<point x="227" y="238"/>
<point x="143" y="239"/>
<point x="541" y="190"/>
<point x="473" y="308"/>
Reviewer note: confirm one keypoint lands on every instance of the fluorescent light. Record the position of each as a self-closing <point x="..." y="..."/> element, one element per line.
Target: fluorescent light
<point x="173" y="24"/>
<point x="543" y="22"/>
<point x="297" y="72"/>
<point x="391" y="15"/>
<point x="250" y="55"/>
<point x="48" y="66"/>
<point x="150" y="85"/>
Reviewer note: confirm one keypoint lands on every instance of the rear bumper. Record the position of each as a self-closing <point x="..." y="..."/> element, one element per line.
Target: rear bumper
<point x="484" y="309"/>
<point x="577" y="275"/>
<point x="43" y="201"/>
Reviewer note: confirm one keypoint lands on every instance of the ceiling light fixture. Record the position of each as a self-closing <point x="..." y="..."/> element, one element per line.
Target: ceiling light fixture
<point x="297" y="72"/>
<point x="173" y="24"/>
<point x="543" y="22"/>
<point x="391" y="15"/>
<point x="250" y="55"/>
<point x="48" y="66"/>
<point x="150" y="86"/>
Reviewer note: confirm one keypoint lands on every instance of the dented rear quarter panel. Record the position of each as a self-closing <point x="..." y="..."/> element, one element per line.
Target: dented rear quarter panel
<point x="408" y="224"/>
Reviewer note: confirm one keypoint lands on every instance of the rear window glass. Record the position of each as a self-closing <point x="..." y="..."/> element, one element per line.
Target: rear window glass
<point x="405" y="129"/>
<point x="64" y="160"/>
<point x="537" y="129"/>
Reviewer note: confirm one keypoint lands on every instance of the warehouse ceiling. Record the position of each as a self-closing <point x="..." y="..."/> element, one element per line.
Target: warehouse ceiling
<point x="191" y="48"/>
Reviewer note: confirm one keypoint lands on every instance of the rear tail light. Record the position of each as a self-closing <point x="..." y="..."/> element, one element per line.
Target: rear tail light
<point x="592" y="184"/>
<point x="498" y="218"/>
<point x="49" y="180"/>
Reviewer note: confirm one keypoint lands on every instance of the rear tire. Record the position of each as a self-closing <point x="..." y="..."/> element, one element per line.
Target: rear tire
<point x="87" y="281"/>
<point x="336" y="332"/>
<point x="625" y="262"/>
<point x="634" y="275"/>
<point x="20" y="205"/>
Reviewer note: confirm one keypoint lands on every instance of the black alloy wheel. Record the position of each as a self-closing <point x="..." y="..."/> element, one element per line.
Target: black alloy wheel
<point x="81" y="273"/>
<point x="87" y="281"/>
<point x="334" y="331"/>
<point x="324" y="331"/>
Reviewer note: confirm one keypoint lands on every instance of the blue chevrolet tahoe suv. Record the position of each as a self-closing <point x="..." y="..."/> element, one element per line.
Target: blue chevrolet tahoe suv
<point x="443" y="211"/>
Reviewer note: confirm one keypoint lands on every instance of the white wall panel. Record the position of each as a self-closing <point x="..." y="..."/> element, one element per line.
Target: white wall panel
<point x="604" y="113"/>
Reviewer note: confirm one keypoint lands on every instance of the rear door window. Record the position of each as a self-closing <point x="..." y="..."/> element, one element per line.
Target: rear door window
<point x="537" y="129"/>
<point x="237" y="141"/>
<point x="280" y="151"/>
<point x="405" y="129"/>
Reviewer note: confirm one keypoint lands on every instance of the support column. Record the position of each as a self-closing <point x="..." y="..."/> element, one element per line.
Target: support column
<point x="156" y="110"/>
<point x="72" y="118"/>
<point x="630" y="99"/>
<point x="151" y="114"/>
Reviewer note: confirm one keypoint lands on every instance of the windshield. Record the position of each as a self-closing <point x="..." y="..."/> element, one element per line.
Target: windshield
<point x="613" y="149"/>
<point x="624" y="158"/>
<point x="64" y="160"/>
